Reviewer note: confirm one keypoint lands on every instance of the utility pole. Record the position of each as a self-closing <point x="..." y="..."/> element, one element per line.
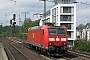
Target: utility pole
<point x="25" y="14"/>
<point x="19" y="20"/>
<point x="25" y="18"/>
<point x="44" y="8"/>
<point x="20" y="23"/>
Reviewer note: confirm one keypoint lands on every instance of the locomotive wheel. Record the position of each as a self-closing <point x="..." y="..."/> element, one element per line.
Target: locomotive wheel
<point x="36" y="48"/>
<point x="48" y="53"/>
<point x="65" y="51"/>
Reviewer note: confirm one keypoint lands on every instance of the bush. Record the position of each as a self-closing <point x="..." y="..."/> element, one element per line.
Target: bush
<point x="3" y="34"/>
<point x="21" y="35"/>
<point x="82" y="45"/>
<point x="88" y="46"/>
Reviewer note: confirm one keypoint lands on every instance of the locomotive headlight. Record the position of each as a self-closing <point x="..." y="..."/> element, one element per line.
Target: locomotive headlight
<point x="64" y="43"/>
<point x="63" y="39"/>
<point x="51" y="39"/>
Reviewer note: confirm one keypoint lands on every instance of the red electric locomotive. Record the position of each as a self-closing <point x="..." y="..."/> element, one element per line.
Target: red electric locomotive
<point x="48" y="38"/>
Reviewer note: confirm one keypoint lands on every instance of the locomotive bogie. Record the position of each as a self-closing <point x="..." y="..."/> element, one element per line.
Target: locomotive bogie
<point x="57" y="48"/>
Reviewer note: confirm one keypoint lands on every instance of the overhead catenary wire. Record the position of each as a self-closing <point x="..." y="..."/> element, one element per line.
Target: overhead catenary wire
<point x="83" y="4"/>
<point x="31" y="9"/>
<point x="82" y="8"/>
<point x="39" y="10"/>
<point x="13" y="6"/>
<point x="34" y="6"/>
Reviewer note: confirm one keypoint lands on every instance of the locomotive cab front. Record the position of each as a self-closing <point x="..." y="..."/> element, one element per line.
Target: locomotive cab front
<point x="57" y="39"/>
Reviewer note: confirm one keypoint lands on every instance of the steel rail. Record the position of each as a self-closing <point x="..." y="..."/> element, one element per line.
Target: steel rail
<point x="9" y="51"/>
<point x="20" y="52"/>
<point x="11" y="54"/>
<point x="80" y="54"/>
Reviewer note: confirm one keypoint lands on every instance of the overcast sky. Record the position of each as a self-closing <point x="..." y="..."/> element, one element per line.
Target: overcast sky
<point x="7" y="8"/>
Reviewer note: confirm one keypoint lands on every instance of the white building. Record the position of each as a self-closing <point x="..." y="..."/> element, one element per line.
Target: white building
<point x="88" y="34"/>
<point x="86" y="31"/>
<point x="63" y="13"/>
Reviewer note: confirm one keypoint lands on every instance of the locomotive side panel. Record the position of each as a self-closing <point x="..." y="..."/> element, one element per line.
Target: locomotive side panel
<point x="35" y="37"/>
<point x="38" y="37"/>
<point x="46" y="38"/>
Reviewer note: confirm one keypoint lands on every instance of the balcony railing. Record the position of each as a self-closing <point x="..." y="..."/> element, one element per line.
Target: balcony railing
<point x="65" y="19"/>
<point x="64" y="1"/>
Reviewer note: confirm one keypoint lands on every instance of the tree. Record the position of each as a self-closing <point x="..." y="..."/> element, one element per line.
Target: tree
<point x="28" y="23"/>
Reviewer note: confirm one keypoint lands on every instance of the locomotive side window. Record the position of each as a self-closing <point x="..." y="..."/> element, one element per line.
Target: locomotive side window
<point x="52" y="30"/>
<point x="61" y="31"/>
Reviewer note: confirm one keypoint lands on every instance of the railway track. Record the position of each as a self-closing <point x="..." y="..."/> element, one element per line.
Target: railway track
<point x="42" y="55"/>
<point x="79" y="53"/>
<point x="13" y="52"/>
<point x="28" y="53"/>
<point x="71" y="54"/>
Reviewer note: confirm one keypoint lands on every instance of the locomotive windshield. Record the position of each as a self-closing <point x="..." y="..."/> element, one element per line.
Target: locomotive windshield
<point x="56" y="31"/>
<point x="52" y="30"/>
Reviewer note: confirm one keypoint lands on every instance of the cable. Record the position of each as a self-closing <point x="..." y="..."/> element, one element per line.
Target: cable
<point x="83" y="8"/>
<point x="84" y="3"/>
<point x="13" y="7"/>
<point x="34" y="6"/>
<point x="43" y="10"/>
<point x="51" y="6"/>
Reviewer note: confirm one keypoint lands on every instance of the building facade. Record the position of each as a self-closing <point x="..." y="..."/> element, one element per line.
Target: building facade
<point x="86" y="31"/>
<point x="88" y="34"/>
<point x="63" y="13"/>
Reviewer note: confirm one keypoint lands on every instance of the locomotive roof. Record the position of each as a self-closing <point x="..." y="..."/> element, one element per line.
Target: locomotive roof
<point x="35" y="27"/>
<point x="39" y="27"/>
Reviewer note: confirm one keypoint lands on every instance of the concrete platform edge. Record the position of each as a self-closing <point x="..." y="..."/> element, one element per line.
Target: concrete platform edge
<point x="3" y="53"/>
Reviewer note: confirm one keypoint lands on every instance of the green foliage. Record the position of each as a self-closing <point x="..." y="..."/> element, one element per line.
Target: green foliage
<point x="3" y="34"/>
<point x="88" y="46"/>
<point x="28" y="23"/>
<point x="21" y="35"/>
<point x="19" y="31"/>
<point x="9" y="30"/>
<point x="82" y="45"/>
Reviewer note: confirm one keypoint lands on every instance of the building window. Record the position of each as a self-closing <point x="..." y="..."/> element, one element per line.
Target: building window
<point x="57" y="10"/>
<point x="54" y="19"/>
<point x="68" y="25"/>
<point x="66" y="9"/>
<point x="70" y="42"/>
<point x="48" y="19"/>
<point x="54" y="11"/>
<point x="65" y="18"/>
<point x="57" y="18"/>
<point x="56" y="24"/>
<point x="69" y="34"/>
<point x="44" y="21"/>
